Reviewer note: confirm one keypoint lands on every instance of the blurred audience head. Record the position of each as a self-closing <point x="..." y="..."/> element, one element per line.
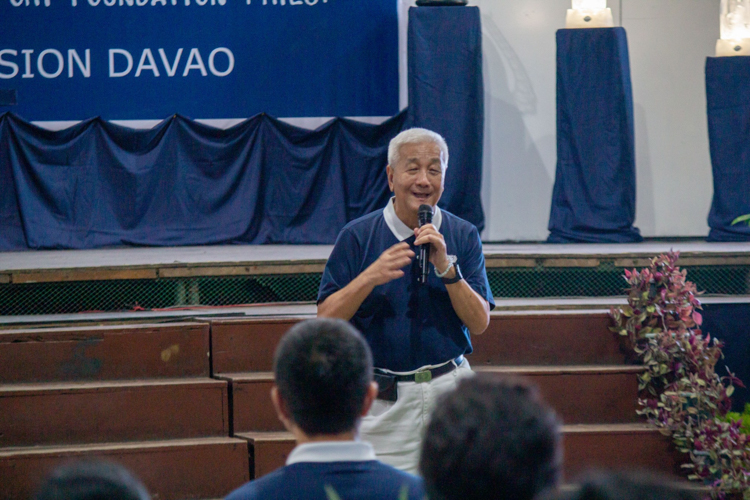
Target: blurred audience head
<point x="625" y="486"/>
<point x="92" y="480"/>
<point x="491" y="438"/>
<point x="323" y="370"/>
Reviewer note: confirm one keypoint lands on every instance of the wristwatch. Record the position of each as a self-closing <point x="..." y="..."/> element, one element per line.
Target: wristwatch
<point x="451" y="263"/>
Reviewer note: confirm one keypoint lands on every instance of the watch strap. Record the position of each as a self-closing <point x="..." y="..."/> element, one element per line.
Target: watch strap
<point x="455" y="279"/>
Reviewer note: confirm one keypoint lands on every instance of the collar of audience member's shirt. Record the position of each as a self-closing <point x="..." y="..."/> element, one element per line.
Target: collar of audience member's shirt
<point x="332" y="451"/>
<point x="400" y="230"/>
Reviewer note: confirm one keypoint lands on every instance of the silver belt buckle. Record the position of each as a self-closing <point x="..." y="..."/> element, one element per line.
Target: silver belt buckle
<point x="422" y="377"/>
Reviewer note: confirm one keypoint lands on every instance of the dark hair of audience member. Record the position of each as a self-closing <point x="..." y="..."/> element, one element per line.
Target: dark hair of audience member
<point x="625" y="485"/>
<point x="323" y="368"/>
<point x="491" y="438"/>
<point x="92" y="480"/>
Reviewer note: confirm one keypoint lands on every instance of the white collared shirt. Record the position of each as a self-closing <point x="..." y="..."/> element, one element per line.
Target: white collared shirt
<point x="332" y="451"/>
<point x="400" y="230"/>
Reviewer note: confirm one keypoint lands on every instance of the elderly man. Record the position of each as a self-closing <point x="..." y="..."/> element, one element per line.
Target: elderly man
<point x="418" y="332"/>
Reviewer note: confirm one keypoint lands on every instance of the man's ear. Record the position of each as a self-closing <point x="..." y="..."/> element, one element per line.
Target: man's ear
<point x="282" y="412"/>
<point x="389" y="173"/>
<point x="370" y="396"/>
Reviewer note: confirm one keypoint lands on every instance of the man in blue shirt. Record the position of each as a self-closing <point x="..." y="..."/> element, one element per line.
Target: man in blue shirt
<point x="418" y="332"/>
<point x="323" y="371"/>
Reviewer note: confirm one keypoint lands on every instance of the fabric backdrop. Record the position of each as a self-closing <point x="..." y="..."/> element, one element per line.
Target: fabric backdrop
<point x="593" y="200"/>
<point x="261" y="181"/>
<point x="729" y="323"/>
<point x="183" y="183"/>
<point x="446" y="94"/>
<point x="728" y="102"/>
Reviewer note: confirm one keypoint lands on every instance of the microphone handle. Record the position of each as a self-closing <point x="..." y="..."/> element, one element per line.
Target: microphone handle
<point x="424" y="262"/>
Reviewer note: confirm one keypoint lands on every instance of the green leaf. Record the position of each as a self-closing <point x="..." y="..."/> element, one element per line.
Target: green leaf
<point x="403" y="493"/>
<point x="742" y="218"/>
<point x="331" y="493"/>
<point x="730" y="390"/>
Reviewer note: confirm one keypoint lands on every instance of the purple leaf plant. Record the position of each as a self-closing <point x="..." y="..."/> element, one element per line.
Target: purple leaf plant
<point x="680" y="391"/>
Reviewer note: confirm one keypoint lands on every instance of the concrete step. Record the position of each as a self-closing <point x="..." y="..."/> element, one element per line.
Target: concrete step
<point x="91" y="412"/>
<point x="580" y="394"/>
<point x="108" y="352"/>
<point x="589" y="394"/>
<point x="513" y="338"/>
<point x="548" y="338"/>
<point x="247" y="345"/>
<point x="619" y="446"/>
<point x="252" y="409"/>
<point x="614" y="446"/>
<point x="171" y="470"/>
<point x="267" y="450"/>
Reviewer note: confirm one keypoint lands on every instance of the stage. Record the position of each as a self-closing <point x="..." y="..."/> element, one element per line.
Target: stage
<point x="194" y="328"/>
<point x="226" y="260"/>
<point x="523" y="277"/>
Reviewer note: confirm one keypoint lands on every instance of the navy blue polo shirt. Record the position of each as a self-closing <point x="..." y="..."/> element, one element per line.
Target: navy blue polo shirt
<point x="407" y="324"/>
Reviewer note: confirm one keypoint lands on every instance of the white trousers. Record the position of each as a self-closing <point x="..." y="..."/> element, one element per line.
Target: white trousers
<point x="395" y="429"/>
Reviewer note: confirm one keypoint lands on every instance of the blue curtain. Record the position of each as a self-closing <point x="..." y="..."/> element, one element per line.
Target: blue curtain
<point x="262" y="181"/>
<point x="728" y="103"/>
<point x="446" y="95"/>
<point x="182" y="183"/>
<point x="729" y="323"/>
<point x="593" y="200"/>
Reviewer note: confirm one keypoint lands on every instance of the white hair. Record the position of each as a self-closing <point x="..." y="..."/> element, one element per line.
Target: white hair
<point x="416" y="136"/>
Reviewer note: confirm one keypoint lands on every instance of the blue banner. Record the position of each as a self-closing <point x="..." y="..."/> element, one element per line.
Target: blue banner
<point x="149" y="59"/>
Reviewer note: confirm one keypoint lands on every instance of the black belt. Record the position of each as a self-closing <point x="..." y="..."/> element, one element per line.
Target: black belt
<point x="426" y="375"/>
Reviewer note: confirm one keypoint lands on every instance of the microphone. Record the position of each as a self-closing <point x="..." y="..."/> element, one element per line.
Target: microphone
<point x="425" y="217"/>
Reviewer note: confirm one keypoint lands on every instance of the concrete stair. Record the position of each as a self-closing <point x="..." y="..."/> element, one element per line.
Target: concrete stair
<point x="171" y="469"/>
<point x="186" y="405"/>
<point x="579" y="366"/>
<point x="140" y="395"/>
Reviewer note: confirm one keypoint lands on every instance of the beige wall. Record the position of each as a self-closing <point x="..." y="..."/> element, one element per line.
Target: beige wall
<point x="668" y="41"/>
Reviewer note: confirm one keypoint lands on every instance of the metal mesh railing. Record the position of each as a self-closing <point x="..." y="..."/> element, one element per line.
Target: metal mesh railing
<point x="512" y="282"/>
<point x="604" y="281"/>
<point x="121" y="295"/>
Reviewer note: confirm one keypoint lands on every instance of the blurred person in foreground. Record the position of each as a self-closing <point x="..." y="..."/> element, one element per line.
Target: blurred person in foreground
<point x="323" y="371"/>
<point x="491" y="438"/>
<point x="625" y="485"/>
<point x="92" y="480"/>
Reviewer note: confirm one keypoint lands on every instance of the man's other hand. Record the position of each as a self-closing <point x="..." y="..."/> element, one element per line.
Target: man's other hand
<point x="389" y="265"/>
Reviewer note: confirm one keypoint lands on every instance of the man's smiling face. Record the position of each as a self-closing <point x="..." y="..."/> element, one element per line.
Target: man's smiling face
<point x="416" y="179"/>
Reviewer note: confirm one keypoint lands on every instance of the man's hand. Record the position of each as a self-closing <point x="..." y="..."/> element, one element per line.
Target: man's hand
<point x="389" y="265"/>
<point x="344" y="303"/>
<point x="427" y="234"/>
<point x="471" y="307"/>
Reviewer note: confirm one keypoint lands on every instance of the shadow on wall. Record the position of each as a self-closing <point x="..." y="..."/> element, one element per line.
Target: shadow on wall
<point x="645" y="208"/>
<point x="517" y="187"/>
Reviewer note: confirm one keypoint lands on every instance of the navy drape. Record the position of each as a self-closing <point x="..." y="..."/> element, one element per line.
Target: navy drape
<point x="446" y="95"/>
<point x="593" y="199"/>
<point x="183" y="183"/>
<point x="262" y="181"/>
<point x="728" y="103"/>
<point x="728" y="323"/>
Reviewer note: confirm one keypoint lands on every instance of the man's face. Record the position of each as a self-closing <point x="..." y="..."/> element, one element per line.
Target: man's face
<point x="417" y="178"/>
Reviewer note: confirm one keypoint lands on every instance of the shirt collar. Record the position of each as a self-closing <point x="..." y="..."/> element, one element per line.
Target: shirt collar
<point x="400" y="230"/>
<point x="332" y="451"/>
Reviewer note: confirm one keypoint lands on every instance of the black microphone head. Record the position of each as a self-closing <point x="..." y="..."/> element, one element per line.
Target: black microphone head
<point x="424" y="214"/>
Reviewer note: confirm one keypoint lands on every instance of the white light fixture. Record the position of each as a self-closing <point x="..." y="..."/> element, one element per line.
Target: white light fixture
<point x="735" y="28"/>
<point x="589" y="14"/>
